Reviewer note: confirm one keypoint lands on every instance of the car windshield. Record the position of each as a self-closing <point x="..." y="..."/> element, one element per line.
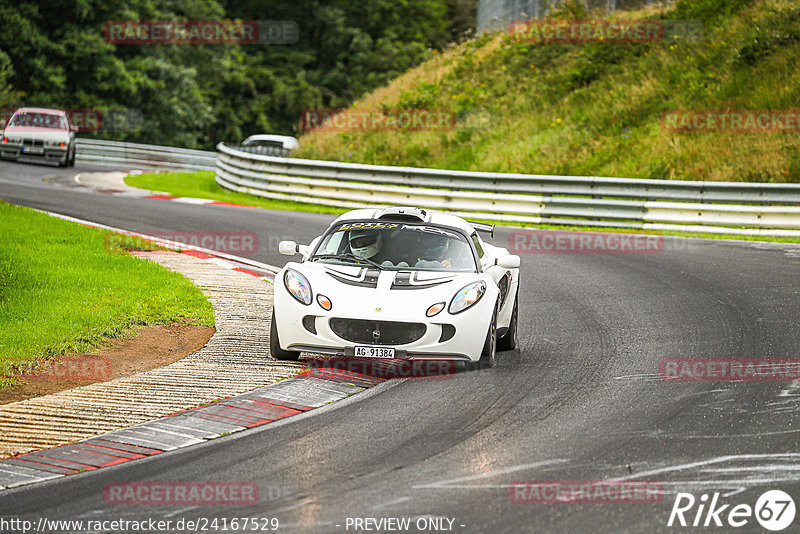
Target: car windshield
<point x="397" y="246"/>
<point x="260" y="142"/>
<point x="39" y="120"/>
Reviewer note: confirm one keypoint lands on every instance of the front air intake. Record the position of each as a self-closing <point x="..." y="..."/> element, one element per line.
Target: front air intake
<point x="448" y="331"/>
<point x="366" y="332"/>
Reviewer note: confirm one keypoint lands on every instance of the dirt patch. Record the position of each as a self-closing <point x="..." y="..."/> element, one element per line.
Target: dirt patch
<point x="151" y="347"/>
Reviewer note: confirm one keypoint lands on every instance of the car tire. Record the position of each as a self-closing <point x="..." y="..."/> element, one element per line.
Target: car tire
<point x="275" y="347"/>
<point x="71" y="162"/>
<point x="508" y="341"/>
<point x="489" y="352"/>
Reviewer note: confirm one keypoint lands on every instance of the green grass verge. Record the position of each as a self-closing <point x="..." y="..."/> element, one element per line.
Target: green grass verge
<point x="61" y="291"/>
<point x="201" y="184"/>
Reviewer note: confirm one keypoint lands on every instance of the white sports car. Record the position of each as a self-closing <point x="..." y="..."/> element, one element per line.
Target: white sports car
<point x="397" y="283"/>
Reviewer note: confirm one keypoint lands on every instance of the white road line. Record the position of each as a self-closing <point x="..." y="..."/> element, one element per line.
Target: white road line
<point x="180" y="511"/>
<point x="733" y="484"/>
<point x="782" y="467"/>
<point x="294" y="506"/>
<point x="702" y="463"/>
<point x="643" y="376"/>
<point x="734" y="492"/>
<point x="728" y="436"/>
<point x="396" y="501"/>
<point x="504" y="471"/>
<point x="192" y="200"/>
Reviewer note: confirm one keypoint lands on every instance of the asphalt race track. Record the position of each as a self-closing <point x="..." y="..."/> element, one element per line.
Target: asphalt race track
<point x="582" y="400"/>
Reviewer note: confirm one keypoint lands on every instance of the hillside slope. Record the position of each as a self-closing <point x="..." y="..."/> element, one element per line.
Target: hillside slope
<point x="597" y="108"/>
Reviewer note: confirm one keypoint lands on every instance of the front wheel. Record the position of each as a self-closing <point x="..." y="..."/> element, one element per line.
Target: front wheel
<point x="71" y="162"/>
<point x="489" y="352"/>
<point x="275" y="347"/>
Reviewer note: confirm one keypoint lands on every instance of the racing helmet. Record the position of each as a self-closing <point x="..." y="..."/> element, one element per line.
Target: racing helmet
<point x="365" y="243"/>
<point x="438" y="245"/>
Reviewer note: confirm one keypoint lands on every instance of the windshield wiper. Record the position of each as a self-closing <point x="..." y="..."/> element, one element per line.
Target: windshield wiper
<point x="349" y="256"/>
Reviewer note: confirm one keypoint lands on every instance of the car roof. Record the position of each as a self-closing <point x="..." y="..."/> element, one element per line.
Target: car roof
<point x="42" y="110"/>
<point x="287" y="140"/>
<point x="407" y="214"/>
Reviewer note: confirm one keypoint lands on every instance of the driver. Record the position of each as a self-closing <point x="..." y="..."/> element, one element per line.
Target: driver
<point x="436" y="247"/>
<point x="366" y="244"/>
<point x="437" y="251"/>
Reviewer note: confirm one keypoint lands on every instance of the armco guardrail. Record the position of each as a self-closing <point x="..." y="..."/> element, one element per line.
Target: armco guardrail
<point x="719" y="207"/>
<point x="164" y="157"/>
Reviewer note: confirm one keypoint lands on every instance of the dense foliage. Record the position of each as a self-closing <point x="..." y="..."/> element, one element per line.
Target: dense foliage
<point x="54" y="53"/>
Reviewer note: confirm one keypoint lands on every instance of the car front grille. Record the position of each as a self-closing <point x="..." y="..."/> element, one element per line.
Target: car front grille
<point x="32" y="142"/>
<point x="377" y="332"/>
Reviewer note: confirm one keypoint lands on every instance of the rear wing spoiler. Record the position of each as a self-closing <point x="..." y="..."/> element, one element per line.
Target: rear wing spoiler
<point x="483" y="227"/>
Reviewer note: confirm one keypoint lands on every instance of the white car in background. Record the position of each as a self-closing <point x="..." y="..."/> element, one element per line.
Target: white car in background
<point x="41" y="134"/>
<point x="270" y="145"/>
<point x="397" y="283"/>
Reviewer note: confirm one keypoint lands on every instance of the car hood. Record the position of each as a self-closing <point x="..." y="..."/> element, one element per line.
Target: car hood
<point x="362" y="290"/>
<point x="49" y="134"/>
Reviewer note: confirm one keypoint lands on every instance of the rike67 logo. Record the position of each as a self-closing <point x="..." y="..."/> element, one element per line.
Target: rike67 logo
<point x="774" y="510"/>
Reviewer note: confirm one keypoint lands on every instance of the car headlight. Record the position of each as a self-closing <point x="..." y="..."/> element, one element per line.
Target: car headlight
<point x="467" y="296"/>
<point x="55" y="144"/>
<point x="297" y="285"/>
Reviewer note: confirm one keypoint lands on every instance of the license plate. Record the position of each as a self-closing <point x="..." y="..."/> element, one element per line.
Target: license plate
<point x="33" y="150"/>
<point x="374" y="352"/>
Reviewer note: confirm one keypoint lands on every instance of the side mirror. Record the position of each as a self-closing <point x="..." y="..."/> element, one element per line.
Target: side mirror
<point x="73" y="128"/>
<point x="508" y="262"/>
<point x="2" y="125"/>
<point x="288" y="248"/>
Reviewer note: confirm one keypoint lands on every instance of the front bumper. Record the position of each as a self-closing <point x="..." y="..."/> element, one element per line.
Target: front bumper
<point x="400" y="354"/>
<point x="45" y="153"/>
<point x="457" y="337"/>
